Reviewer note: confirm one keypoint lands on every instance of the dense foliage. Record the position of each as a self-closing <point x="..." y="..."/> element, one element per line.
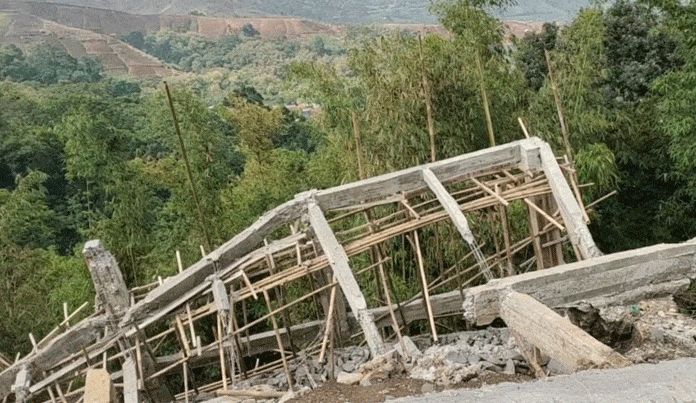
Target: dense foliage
<point x="47" y="65"/>
<point x="84" y="157"/>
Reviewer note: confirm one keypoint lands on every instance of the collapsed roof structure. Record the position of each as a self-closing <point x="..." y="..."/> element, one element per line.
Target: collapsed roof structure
<point x="151" y="339"/>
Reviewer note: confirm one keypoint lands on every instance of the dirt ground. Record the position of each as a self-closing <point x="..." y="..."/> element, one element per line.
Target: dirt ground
<point x="661" y="333"/>
<point x="400" y="386"/>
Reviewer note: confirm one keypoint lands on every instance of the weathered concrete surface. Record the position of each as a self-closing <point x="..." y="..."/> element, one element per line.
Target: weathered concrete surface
<point x="555" y="336"/>
<point x="671" y="381"/>
<point x="108" y="279"/>
<point x="616" y="279"/>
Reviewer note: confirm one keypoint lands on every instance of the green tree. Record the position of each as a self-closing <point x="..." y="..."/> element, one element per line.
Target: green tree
<point x="25" y="218"/>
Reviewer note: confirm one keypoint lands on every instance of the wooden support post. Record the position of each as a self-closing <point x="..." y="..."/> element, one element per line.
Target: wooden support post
<point x="280" y="341"/>
<point x="341" y="268"/>
<point x="457" y="217"/>
<point x="554" y="335"/>
<point x="424" y="283"/>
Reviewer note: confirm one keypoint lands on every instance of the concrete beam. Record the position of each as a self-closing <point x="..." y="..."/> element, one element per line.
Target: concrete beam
<point x="620" y="278"/>
<point x="554" y="335"/>
<point x="338" y="259"/>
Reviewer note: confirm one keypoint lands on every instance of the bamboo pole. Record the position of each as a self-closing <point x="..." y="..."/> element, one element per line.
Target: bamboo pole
<point x="397" y="330"/>
<point x="428" y="102"/>
<point x="280" y="341"/>
<point x="329" y="322"/>
<point x="355" y="119"/>
<point x="221" y="350"/>
<point x="424" y="281"/>
<point x="544" y="214"/>
<point x="524" y="128"/>
<point x="573" y="179"/>
<point x="184" y="154"/>
<point x="484" y="96"/>
<point x="502" y="212"/>
<point x="559" y="109"/>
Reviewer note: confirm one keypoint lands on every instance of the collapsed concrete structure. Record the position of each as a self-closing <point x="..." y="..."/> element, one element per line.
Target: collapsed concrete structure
<point x="153" y="339"/>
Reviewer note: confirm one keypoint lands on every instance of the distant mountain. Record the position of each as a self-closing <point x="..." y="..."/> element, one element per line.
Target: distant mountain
<point x="335" y="11"/>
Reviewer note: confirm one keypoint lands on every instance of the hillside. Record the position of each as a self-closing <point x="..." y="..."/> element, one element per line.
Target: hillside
<point x="348" y="11"/>
<point x="121" y="23"/>
<point x="117" y="57"/>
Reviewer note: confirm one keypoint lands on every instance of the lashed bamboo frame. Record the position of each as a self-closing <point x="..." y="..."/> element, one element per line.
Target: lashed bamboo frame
<point x="250" y="267"/>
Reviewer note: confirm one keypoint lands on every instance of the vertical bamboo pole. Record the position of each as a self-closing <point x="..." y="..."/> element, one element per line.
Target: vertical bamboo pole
<point x="355" y="118"/>
<point x="221" y="350"/>
<point x="279" y="340"/>
<point x="329" y="322"/>
<point x="484" y="96"/>
<point x="559" y="108"/>
<point x="186" y="382"/>
<point x="573" y="178"/>
<point x="184" y="154"/>
<point x="426" y="293"/>
<point x="534" y="232"/>
<point x="179" y="263"/>
<point x="428" y="102"/>
<point x="524" y="128"/>
<point x="397" y="330"/>
<point x="139" y="362"/>
<point x="506" y="233"/>
<point x="65" y="314"/>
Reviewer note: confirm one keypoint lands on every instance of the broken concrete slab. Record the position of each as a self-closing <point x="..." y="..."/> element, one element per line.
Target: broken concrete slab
<point x="619" y="278"/>
<point x="554" y="335"/>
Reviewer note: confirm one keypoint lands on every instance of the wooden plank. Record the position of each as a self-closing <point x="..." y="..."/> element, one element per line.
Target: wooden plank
<point x="620" y="278"/>
<point x="130" y="381"/>
<point x="571" y="213"/>
<point x="339" y="263"/>
<point x="554" y="335"/>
